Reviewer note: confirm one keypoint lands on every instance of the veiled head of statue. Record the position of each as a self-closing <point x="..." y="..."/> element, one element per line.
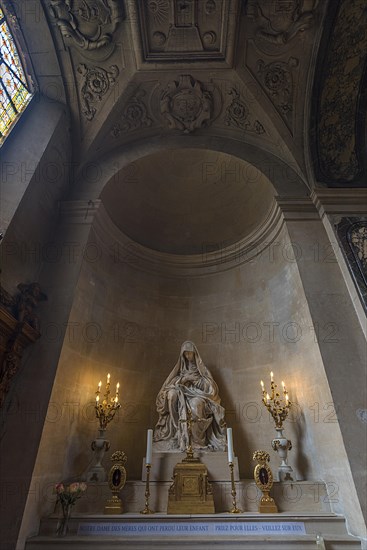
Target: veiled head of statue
<point x="188" y="350"/>
<point x="188" y="346"/>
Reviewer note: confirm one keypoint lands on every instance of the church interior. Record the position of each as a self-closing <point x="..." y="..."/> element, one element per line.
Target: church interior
<point x="184" y="175"/>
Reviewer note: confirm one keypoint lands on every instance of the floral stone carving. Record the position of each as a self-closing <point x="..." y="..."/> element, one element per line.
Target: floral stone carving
<point x="238" y="115"/>
<point x="89" y="23"/>
<point x="277" y="80"/>
<point x="135" y="116"/>
<point x="97" y="82"/>
<point x="186" y="105"/>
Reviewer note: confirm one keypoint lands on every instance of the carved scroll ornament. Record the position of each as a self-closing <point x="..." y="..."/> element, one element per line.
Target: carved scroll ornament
<point x="89" y="23"/>
<point x="280" y="21"/>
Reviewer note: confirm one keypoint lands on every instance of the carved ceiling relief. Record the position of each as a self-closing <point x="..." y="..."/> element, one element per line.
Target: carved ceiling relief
<point x="186" y="105"/>
<point x="134" y="117"/>
<point x="183" y="29"/>
<point x="277" y="80"/>
<point x="238" y="115"/>
<point x="95" y="84"/>
<point x="277" y="24"/>
<point x="88" y="24"/>
<point x="281" y="21"/>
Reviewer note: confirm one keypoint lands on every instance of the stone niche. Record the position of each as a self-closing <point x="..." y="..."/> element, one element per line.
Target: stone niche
<point x="156" y="283"/>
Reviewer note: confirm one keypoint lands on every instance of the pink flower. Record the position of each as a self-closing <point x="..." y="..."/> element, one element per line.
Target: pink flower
<point x="74" y="487"/>
<point x="59" y="488"/>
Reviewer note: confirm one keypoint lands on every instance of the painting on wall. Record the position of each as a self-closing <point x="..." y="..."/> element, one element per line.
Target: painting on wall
<point x="352" y="237"/>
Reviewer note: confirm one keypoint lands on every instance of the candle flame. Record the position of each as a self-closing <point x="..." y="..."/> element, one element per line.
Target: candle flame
<point x="262" y="384"/>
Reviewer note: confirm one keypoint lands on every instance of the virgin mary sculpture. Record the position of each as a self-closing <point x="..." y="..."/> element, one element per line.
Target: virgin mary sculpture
<point x="190" y="386"/>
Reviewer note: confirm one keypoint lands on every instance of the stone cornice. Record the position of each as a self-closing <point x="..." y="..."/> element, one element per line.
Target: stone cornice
<point x="297" y="208"/>
<point x="340" y="201"/>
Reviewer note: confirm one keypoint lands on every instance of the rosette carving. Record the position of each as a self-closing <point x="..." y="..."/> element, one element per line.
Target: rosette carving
<point x="134" y="117"/>
<point x="238" y="115"/>
<point x="97" y="82"/>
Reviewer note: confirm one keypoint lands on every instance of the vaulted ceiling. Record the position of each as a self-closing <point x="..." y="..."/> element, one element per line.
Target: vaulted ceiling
<point x="284" y="78"/>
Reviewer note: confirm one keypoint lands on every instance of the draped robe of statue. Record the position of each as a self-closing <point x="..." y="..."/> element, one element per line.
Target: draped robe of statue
<point x="190" y="385"/>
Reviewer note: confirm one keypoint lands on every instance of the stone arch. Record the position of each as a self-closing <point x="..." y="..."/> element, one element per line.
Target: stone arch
<point x="94" y="175"/>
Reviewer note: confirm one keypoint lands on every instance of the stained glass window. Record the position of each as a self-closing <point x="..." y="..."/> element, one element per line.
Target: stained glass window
<point x="15" y="93"/>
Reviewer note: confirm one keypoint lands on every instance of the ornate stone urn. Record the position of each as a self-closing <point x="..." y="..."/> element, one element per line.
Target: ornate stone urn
<point x="282" y="445"/>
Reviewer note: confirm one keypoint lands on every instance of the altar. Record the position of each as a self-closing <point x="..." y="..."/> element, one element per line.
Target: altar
<point x="305" y="513"/>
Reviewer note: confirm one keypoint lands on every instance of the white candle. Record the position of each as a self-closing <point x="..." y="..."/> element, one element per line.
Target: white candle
<point x="230" y="445"/>
<point x="271" y="377"/>
<point x="262" y="385"/>
<point x="148" y="458"/>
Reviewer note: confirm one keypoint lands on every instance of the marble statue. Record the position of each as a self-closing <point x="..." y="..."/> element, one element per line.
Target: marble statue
<point x="190" y="386"/>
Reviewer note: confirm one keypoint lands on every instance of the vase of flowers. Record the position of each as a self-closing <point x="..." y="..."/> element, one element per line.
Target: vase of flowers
<point x="67" y="495"/>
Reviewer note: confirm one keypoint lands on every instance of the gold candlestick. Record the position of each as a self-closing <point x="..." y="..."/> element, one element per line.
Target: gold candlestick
<point x="147" y="510"/>
<point x="234" y="510"/>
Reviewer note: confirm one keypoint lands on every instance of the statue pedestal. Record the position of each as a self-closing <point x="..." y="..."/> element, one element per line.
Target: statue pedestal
<point x="216" y="462"/>
<point x="190" y="492"/>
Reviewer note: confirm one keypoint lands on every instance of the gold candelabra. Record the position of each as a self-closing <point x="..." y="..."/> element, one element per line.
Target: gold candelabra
<point x="106" y="409"/>
<point x="277" y="406"/>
